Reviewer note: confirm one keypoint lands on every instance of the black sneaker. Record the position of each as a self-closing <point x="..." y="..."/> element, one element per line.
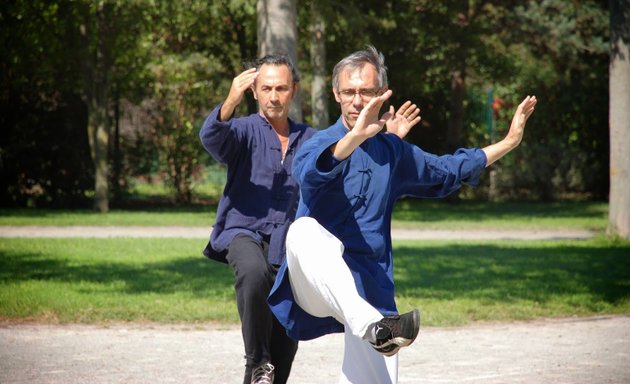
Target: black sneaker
<point x="395" y="332"/>
<point x="263" y="374"/>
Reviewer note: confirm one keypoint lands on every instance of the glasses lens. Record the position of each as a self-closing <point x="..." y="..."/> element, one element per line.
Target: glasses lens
<point x="364" y="94"/>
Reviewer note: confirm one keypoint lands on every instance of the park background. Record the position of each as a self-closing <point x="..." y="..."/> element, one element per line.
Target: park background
<point x="102" y="101"/>
<point x="113" y="93"/>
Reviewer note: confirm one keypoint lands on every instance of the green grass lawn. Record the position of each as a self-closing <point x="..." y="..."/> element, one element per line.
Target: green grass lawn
<point x="434" y="214"/>
<point x="92" y="281"/>
<point x="168" y="281"/>
<point x="410" y="213"/>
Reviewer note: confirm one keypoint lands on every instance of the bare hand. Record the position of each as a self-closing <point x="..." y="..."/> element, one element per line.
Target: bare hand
<point x="517" y="128"/>
<point x="368" y="123"/>
<point x="241" y="84"/>
<point x="401" y="122"/>
<point x="497" y="150"/>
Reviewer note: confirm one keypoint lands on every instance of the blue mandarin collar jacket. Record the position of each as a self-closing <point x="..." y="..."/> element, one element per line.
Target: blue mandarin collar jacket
<point x="353" y="199"/>
<point x="260" y="196"/>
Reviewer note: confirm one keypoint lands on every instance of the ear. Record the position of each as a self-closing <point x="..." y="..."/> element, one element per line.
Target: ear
<point x="336" y="96"/>
<point x="254" y="92"/>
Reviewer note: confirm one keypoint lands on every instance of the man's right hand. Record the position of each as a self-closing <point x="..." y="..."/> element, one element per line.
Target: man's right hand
<point x="368" y="124"/>
<point x="240" y="85"/>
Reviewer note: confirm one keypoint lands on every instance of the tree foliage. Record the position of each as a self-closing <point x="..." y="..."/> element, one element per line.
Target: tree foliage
<point x="44" y="156"/>
<point x="169" y="63"/>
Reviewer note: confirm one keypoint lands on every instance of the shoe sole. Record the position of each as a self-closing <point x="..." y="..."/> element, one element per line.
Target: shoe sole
<point x="400" y="341"/>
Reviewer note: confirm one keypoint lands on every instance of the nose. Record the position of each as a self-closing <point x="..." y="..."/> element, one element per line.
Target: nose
<point x="357" y="101"/>
<point x="274" y="95"/>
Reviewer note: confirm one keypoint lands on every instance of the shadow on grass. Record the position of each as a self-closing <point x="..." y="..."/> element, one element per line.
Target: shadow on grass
<point x="196" y="275"/>
<point x="506" y="273"/>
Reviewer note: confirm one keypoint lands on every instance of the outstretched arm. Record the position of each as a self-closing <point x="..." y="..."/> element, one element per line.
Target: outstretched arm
<point x="496" y="151"/>
<point x="240" y="85"/>
<point x="401" y="122"/>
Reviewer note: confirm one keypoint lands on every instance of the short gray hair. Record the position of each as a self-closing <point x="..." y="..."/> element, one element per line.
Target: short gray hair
<point x="357" y="60"/>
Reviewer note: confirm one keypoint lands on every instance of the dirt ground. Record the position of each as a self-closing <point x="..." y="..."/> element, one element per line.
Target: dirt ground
<point x="575" y="351"/>
<point x="204" y="232"/>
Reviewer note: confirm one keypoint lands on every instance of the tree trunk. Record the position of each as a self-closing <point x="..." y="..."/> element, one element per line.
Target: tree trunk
<point x="100" y="131"/>
<point x="493" y="190"/>
<point x="117" y="171"/>
<point x="95" y="94"/>
<point x="248" y="52"/>
<point x="319" y="88"/>
<point x="455" y="125"/>
<point x="277" y="34"/>
<point x="619" y="207"/>
<point x="456" y="118"/>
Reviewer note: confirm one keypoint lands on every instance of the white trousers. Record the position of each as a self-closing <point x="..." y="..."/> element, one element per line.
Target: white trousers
<point x="323" y="286"/>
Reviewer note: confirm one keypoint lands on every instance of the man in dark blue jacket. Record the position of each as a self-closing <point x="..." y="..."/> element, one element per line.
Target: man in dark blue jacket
<point x="258" y="204"/>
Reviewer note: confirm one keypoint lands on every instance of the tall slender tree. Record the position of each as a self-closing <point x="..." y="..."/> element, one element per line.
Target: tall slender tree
<point x="455" y="127"/>
<point x="96" y="64"/>
<point x="319" y="87"/>
<point x="619" y="208"/>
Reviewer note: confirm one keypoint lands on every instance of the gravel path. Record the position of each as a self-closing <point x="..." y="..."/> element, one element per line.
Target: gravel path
<point x="204" y="232"/>
<point x="575" y="351"/>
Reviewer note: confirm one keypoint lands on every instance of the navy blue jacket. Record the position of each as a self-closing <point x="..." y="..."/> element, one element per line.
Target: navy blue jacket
<point x="260" y="196"/>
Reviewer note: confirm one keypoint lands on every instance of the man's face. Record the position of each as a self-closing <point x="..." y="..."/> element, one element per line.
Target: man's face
<point x="274" y="90"/>
<point x="357" y="86"/>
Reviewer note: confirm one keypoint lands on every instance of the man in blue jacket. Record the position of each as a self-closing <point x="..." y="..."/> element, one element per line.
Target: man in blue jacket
<point x="258" y="204"/>
<point x="338" y="273"/>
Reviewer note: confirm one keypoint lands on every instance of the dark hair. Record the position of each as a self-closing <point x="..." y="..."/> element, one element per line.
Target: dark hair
<point x="357" y="60"/>
<point x="275" y="59"/>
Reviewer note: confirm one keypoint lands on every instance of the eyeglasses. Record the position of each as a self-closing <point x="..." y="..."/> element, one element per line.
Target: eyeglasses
<point x="365" y="94"/>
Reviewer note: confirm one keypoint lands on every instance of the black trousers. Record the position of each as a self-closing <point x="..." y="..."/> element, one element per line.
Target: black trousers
<point x="264" y="338"/>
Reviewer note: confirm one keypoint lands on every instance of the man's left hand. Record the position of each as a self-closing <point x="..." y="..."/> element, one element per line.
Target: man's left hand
<point x="401" y="122"/>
